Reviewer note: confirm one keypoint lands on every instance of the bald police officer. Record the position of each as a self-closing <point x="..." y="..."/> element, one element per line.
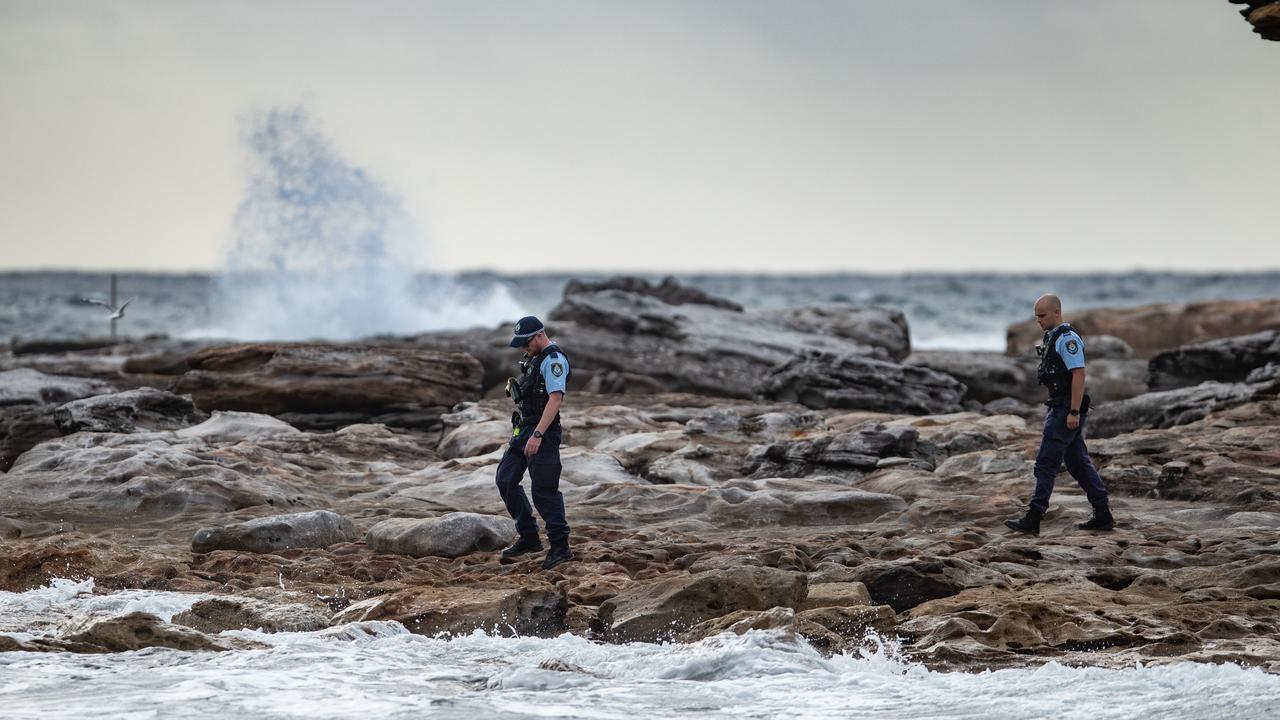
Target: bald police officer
<point x="535" y="445"/>
<point x="1062" y="372"/>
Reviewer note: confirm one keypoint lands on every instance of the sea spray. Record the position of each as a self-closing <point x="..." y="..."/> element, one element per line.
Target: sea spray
<point x="324" y="250"/>
<point x="379" y="669"/>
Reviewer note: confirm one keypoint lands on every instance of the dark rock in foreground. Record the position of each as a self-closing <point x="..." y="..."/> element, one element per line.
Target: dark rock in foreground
<point x="1228" y="360"/>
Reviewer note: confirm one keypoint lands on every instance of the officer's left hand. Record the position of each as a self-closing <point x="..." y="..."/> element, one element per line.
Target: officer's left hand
<point x="531" y="446"/>
<point x="1073" y="422"/>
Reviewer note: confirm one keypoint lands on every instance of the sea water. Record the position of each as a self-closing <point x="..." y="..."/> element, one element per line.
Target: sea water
<point x="380" y="670"/>
<point x="953" y="311"/>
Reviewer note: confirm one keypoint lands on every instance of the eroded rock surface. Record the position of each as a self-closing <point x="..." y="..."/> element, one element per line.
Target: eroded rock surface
<point x="450" y="535"/>
<point x="327" y="386"/>
<point x="1151" y="328"/>
<point x="315" y="529"/>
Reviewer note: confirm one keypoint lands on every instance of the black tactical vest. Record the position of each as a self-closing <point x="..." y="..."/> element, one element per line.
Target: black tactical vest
<point x="1053" y="372"/>
<point x="529" y="392"/>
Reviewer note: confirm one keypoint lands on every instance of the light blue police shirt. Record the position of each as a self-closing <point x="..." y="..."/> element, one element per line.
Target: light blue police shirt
<point x="1070" y="347"/>
<point x="555" y="371"/>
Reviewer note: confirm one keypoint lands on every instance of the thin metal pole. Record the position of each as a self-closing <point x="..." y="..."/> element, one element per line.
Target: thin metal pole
<point x="113" y="303"/>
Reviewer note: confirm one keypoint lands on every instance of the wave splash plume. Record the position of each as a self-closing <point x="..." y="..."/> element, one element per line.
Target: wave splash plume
<point x="323" y="250"/>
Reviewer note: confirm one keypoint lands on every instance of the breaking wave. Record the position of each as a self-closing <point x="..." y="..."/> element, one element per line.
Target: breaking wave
<point x="324" y="250"/>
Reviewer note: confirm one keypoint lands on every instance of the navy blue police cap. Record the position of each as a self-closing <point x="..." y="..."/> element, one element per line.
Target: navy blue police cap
<point x="525" y="329"/>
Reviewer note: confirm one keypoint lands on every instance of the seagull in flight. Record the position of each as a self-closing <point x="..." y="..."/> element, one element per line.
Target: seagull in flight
<point x="116" y="312"/>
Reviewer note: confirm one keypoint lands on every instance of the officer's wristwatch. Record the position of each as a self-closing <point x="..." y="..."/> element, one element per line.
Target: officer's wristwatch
<point x="1072" y="413"/>
<point x="538" y="433"/>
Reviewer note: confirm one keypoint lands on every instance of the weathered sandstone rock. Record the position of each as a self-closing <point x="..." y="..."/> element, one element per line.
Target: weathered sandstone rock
<point x="825" y="380"/>
<point x="349" y="383"/>
<point x="1151" y="328"/>
<point x="1227" y="360"/>
<point x="1168" y="408"/>
<point x="237" y="613"/>
<point x="139" y="630"/>
<point x="28" y="401"/>
<point x="662" y="609"/>
<point x="450" y="535"/>
<point x="536" y="610"/>
<point x="130" y="411"/>
<point x="315" y="529"/>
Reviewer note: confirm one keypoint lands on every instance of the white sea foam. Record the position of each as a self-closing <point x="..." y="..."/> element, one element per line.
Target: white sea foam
<point x="378" y="669"/>
<point x="64" y="604"/>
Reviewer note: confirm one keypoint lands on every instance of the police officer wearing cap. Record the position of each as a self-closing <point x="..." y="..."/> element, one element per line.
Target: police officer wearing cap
<point x="535" y="445"/>
<point x="1061" y="370"/>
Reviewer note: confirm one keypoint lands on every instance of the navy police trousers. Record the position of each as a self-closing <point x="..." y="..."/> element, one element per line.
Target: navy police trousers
<point x="544" y="477"/>
<point x="1061" y="444"/>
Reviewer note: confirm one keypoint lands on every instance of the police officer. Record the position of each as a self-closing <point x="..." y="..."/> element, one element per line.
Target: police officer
<point x="1062" y="371"/>
<point x="535" y="445"/>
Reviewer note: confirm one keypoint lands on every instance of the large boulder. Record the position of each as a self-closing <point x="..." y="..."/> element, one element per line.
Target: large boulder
<point x="1223" y="360"/>
<point x="28" y="401"/>
<point x="139" y="630"/>
<point x="699" y="348"/>
<point x="1169" y="408"/>
<point x="823" y="380"/>
<point x="331" y="385"/>
<point x="662" y="609"/>
<point x="130" y="411"/>
<point x="537" y="610"/>
<point x="450" y="535"/>
<point x="864" y="324"/>
<point x="1151" y="328"/>
<point x="315" y="529"/>
<point x="986" y="376"/>
<point x="238" y="613"/>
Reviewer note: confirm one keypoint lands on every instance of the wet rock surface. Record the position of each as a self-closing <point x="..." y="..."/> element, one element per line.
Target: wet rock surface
<point x="692" y="513"/>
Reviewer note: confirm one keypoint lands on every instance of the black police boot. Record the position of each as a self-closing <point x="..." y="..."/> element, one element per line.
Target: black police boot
<point x="522" y="546"/>
<point x="1100" y="519"/>
<point x="1029" y="523"/>
<point x="558" y="553"/>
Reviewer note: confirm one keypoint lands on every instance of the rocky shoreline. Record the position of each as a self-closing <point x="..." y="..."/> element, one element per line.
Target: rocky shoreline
<point x="822" y="479"/>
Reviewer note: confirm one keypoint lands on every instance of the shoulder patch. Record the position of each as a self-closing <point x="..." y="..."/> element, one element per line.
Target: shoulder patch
<point x="1073" y="347"/>
<point x="557" y="369"/>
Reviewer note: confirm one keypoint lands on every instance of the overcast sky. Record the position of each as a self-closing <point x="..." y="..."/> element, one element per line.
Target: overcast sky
<point x="686" y="136"/>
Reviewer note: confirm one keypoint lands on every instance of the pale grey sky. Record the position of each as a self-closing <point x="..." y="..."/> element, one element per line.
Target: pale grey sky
<point x="756" y="136"/>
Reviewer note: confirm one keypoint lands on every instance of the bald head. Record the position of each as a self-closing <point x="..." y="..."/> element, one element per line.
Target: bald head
<point x="1048" y="311"/>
